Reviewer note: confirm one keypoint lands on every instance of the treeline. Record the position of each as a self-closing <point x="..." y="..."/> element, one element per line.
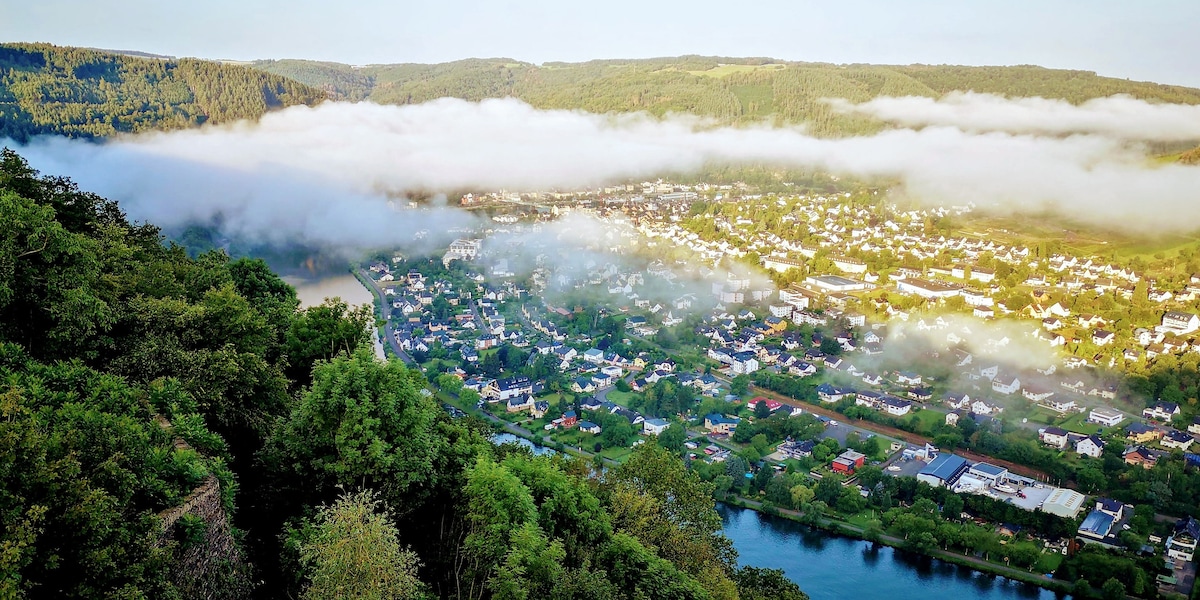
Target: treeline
<point x="342" y="474"/>
<point x="732" y="90"/>
<point x="78" y="92"/>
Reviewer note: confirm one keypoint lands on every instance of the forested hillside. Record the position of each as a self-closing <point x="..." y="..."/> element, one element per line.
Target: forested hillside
<point x="78" y="92"/>
<point x="344" y="476"/>
<point x="729" y="89"/>
<point x="92" y="93"/>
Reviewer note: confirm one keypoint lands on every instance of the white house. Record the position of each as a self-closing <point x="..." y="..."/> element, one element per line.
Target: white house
<point x="1091" y="446"/>
<point x="1059" y="404"/>
<point x="1006" y="384"/>
<point x="1179" y="323"/>
<point x="745" y="363"/>
<point x="655" y="426"/>
<point x="1106" y="417"/>
<point x="896" y="406"/>
<point x="1163" y="411"/>
<point x="1055" y="437"/>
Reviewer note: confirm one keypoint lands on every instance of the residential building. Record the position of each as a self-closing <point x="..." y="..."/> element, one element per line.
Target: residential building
<point x="1055" y="437"/>
<point x="1091" y="446"/>
<point x="1177" y="440"/>
<point x="1141" y="433"/>
<point x="716" y="423"/>
<point x="655" y="426"/>
<point x="895" y="406"/>
<point x="1162" y="411"/>
<point x="1006" y="384"/>
<point x="1141" y="457"/>
<point x="1182" y="543"/>
<point x="1179" y="323"/>
<point x="1106" y="417"/>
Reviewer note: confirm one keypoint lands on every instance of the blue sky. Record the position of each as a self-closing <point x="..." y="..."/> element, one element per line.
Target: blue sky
<point x="1150" y="40"/>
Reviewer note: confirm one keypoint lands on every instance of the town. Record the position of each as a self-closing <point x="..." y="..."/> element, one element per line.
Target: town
<point x="785" y="343"/>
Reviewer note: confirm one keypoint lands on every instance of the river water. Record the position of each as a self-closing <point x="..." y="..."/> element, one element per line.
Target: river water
<point x="314" y="291"/>
<point x="832" y="567"/>
<point x="504" y="438"/>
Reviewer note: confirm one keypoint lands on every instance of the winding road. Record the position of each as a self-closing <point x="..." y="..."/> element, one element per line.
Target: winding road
<point x="389" y="330"/>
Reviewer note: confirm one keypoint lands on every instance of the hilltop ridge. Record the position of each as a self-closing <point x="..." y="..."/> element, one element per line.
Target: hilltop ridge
<point x="732" y="90"/>
<point x="79" y="92"/>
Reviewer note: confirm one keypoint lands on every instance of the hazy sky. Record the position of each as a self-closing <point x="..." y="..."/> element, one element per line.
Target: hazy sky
<point x="1151" y="40"/>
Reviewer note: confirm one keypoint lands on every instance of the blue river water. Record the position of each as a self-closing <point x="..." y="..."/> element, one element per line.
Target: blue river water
<point x="504" y="438"/>
<point x="832" y="567"/>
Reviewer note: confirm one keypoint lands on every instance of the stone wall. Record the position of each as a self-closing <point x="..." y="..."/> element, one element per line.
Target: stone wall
<point x="211" y="567"/>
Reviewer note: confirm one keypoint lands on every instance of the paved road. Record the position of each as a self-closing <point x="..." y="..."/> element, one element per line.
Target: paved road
<point x="389" y="330"/>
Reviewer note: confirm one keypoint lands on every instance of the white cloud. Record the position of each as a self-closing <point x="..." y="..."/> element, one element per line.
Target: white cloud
<point x="1119" y="116"/>
<point x="325" y="174"/>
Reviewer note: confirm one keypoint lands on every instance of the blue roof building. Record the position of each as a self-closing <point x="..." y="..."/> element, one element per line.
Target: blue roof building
<point x="1097" y="525"/>
<point x="943" y="470"/>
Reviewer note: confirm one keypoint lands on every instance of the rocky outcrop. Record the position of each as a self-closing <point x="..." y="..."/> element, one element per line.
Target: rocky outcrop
<point x="208" y="561"/>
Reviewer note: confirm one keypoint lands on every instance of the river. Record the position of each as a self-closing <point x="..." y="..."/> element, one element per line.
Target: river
<point x="314" y="291"/>
<point x="504" y="438"/>
<point x="832" y="567"/>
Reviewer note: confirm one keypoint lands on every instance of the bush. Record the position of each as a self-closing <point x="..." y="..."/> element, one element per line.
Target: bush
<point x="190" y="530"/>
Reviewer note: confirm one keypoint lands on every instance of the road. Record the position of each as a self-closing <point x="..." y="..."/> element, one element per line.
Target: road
<point x="389" y="330"/>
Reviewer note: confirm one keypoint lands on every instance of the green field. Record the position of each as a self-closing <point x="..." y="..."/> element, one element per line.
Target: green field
<point x="622" y="398"/>
<point x="929" y="418"/>
<point x="1077" y="422"/>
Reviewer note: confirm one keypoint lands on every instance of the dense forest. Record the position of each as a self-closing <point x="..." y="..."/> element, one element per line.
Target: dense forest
<point x="130" y="374"/>
<point x="79" y="92"/>
<point x="732" y="90"/>
<point x="85" y="93"/>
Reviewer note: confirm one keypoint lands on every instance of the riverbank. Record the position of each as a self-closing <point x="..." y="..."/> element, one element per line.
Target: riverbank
<point x="849" y="530"/>
<point x="832" y="525"/>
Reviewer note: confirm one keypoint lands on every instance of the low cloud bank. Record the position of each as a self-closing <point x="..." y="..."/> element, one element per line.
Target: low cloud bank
<point x="1121" y="116"/>
<point x="332" y="174"/>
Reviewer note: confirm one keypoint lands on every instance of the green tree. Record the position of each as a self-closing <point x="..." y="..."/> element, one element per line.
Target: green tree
<point x="655" y="498"/>
<point x="1112" y="589"/>
<point x="829" y="489"/>
<point x="673" y="437"/>
<point x="952" y="507"/>
<point x="739" y="385"/>
<point x="766" y="584"/>
<point x="1082" y="589"/>
<point x="324" y="331"/>
<point x="352" y="550"/>
<point x="801" y="495"/>
<point x="361" y="423"/>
